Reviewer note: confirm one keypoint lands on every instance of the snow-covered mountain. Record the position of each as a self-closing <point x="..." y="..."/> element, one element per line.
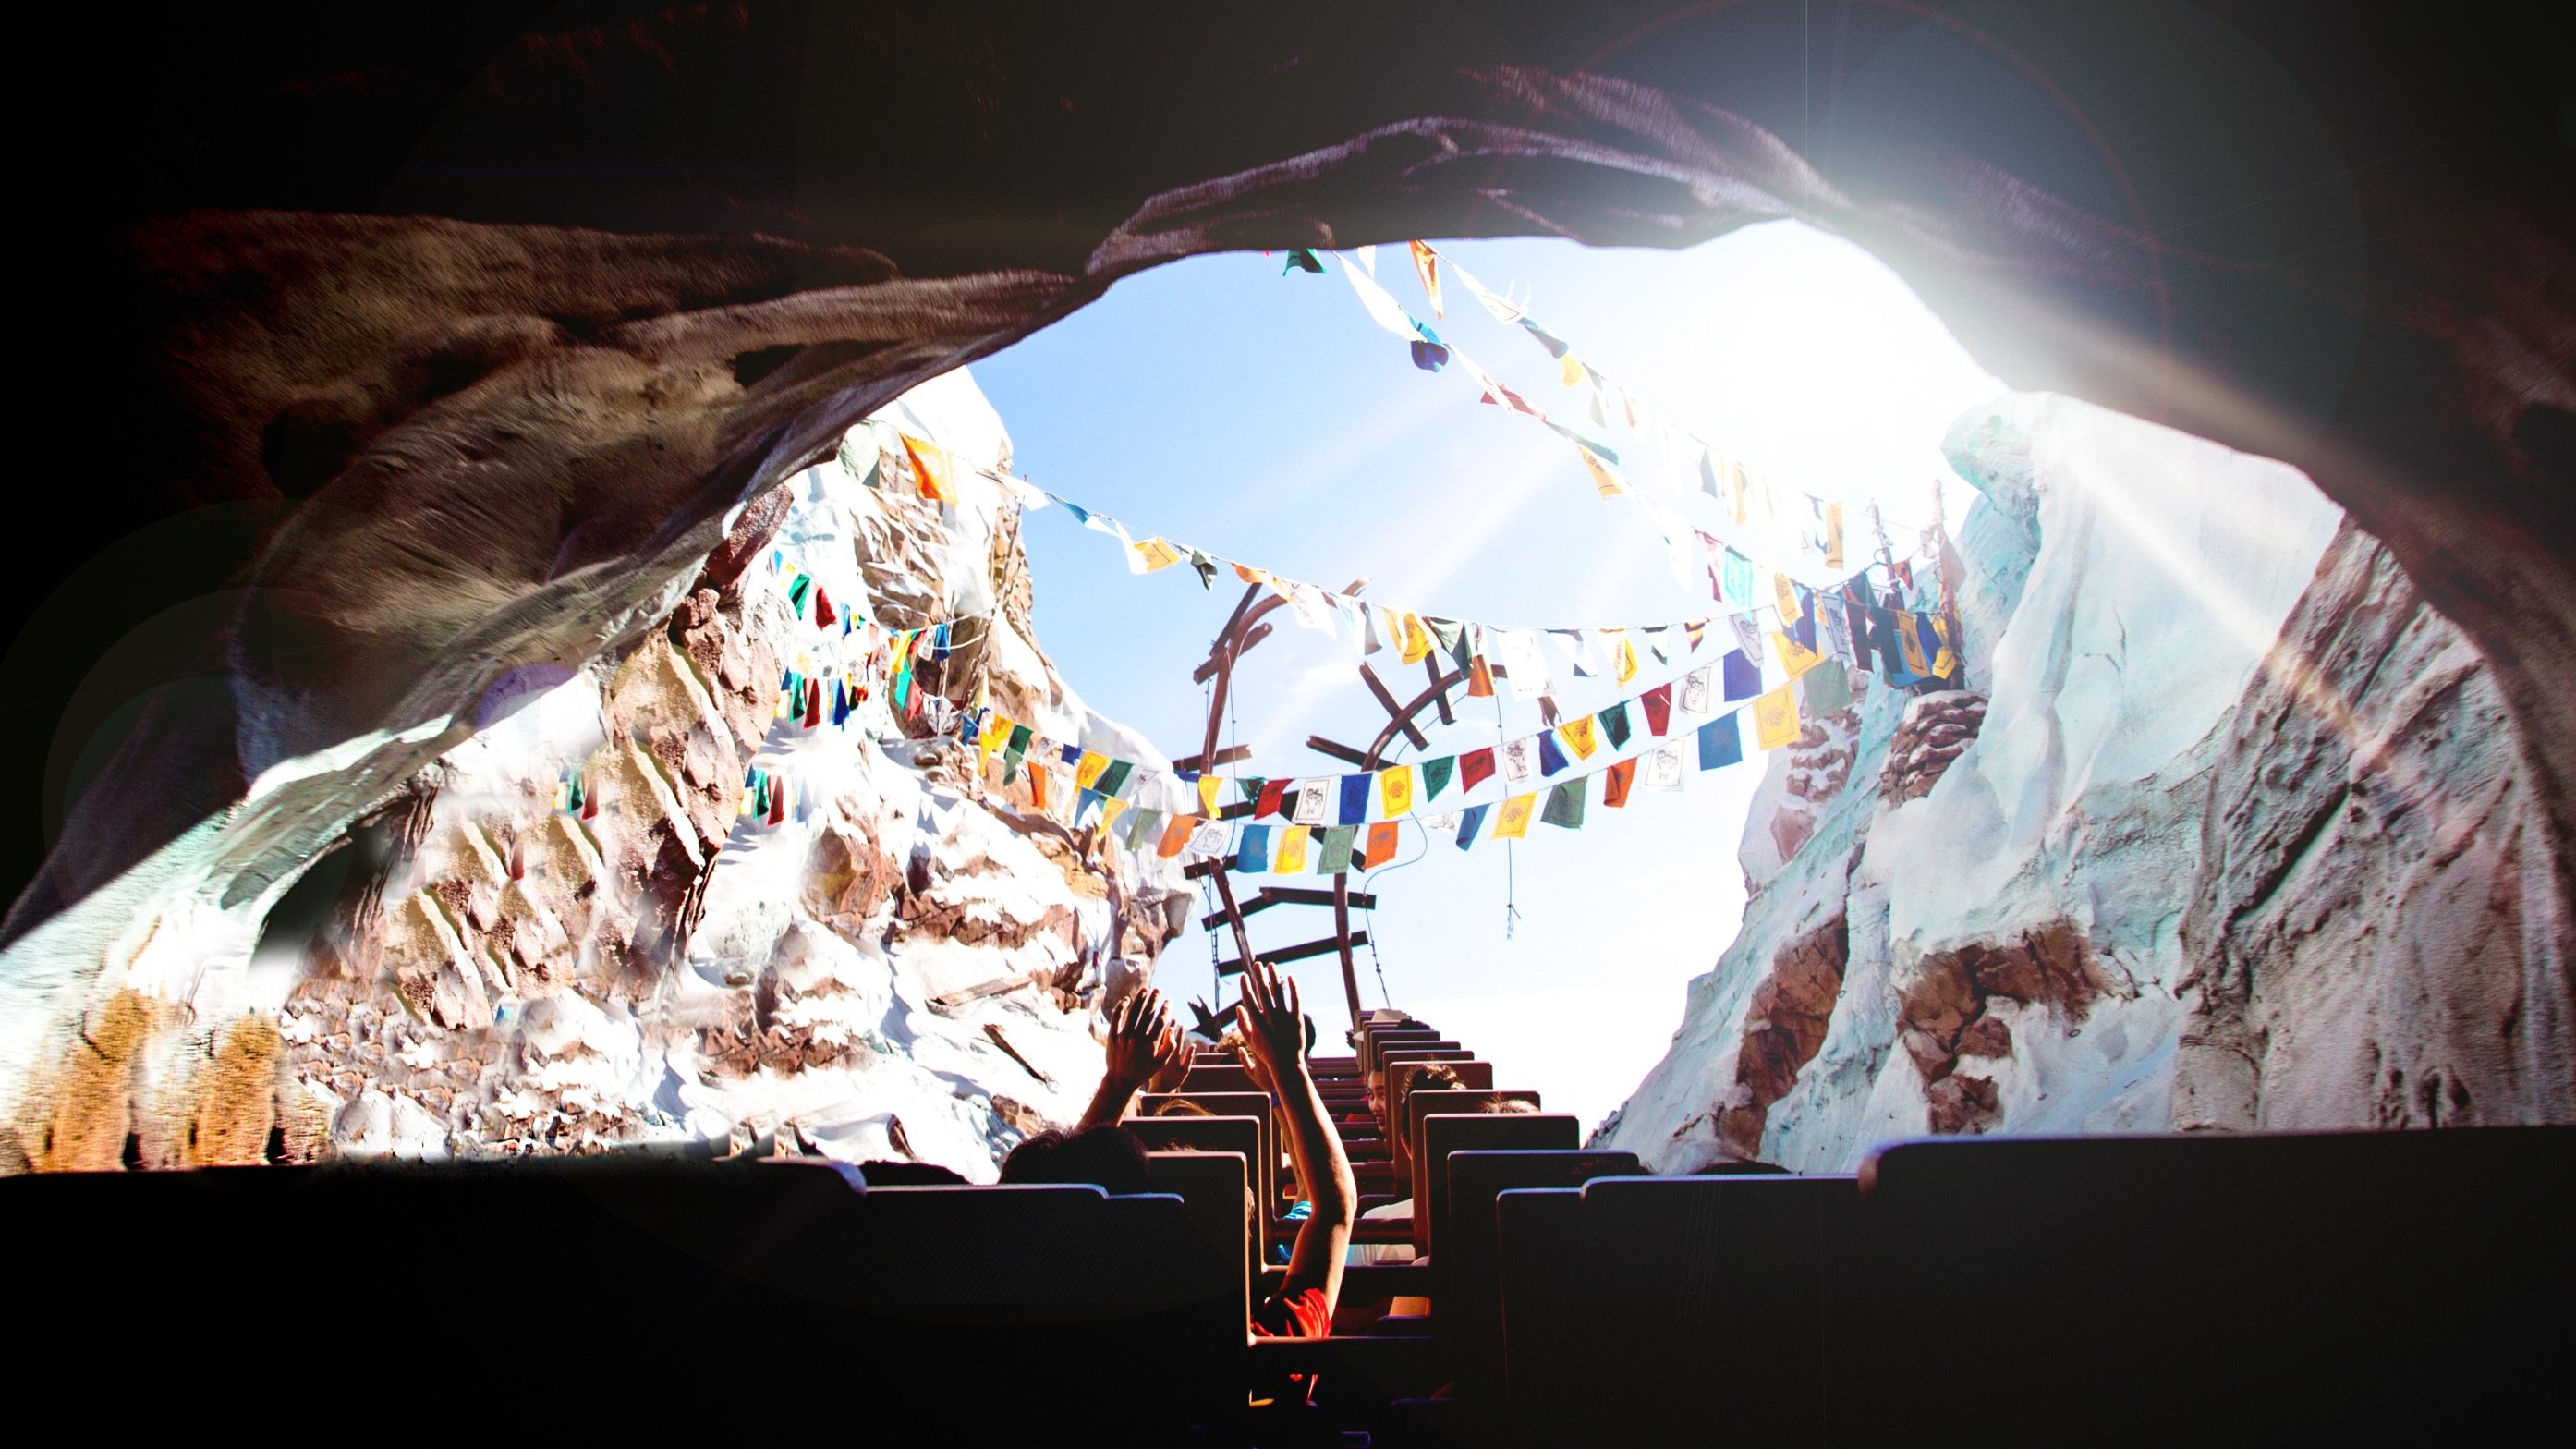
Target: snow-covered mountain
<point x="904" y="965"/>
<point x="2226" y="832"/>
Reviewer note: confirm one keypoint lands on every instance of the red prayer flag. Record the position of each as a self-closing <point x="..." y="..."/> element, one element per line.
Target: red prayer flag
<point x="1659" y="707"/>
<point x="1474" y="768"/>
<point x="1269" y="802"/>
<point x="1614" y="783"/>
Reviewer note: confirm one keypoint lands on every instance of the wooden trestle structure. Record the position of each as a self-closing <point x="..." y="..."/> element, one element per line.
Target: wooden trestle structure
<point x="1245" y="628"/>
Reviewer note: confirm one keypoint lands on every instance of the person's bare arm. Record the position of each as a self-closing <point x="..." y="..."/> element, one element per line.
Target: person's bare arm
<point x="1142" y="1043"/>
<point x="1274" y="1033"/>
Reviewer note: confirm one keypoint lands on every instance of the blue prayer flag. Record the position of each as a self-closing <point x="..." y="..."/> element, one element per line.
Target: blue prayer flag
<point x="1254" y="855"/>
<point x="1743" y="676"/>
<point x="1355" y="798"/>
<point x="1471" y="820"/>
<point x="1720" y="743"/>
<point x="1550" y="758"/>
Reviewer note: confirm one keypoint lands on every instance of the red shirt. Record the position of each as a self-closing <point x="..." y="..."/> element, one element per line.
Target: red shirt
<point x="1301" y="1314"/>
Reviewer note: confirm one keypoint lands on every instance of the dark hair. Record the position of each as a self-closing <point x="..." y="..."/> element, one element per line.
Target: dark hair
<point x="1432" y="1076"/>
<point x="909" y="1174"/>
<point x="1110" y="1158"/>
<point x="1310" y="1036"/>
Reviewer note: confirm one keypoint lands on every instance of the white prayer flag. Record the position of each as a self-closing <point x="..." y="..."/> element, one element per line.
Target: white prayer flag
<point x="1519" y="759"/>
<point x="1312" y="607"/>
<point x="1748" y="635"/>
<point x="1211" y="838"/>
<point x="1314" y="797"/>
<point x="1663" y="769"/>
<point x="1695" y="691"/>
<point x="1524" y="667"/>
<point x="1382" y="308"/>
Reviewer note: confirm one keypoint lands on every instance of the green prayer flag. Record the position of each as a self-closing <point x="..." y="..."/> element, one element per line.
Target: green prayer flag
<point x="1336" y="855"/>
<point x="1250" y="785"/>
<point x="851" y="459"/>
<point x="1451" y="636"/>
<point x="1018" y="744"/>
<point x="1565" y="804"/>
<point x="1435" y="775"/>
<point x="1826" y="689"/>
<point x="1112" y="778"/>
<point x="1614" y="724"/>
<point x="1202" y="561"/>
<point x="1134" y="825"/>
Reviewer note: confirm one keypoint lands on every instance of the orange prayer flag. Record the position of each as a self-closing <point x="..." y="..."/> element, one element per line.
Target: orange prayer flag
<point x="1176" y="836"/>
<point x="1382" y="839"/>
<point x="1426" y="265"/>
<point x="932" y="468"/>
<point x="1615" y="781"/>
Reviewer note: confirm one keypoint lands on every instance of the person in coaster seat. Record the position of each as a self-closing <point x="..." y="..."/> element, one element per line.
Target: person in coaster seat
<point x="1275" y="1039"/>
<point x="1144" y="1045"/>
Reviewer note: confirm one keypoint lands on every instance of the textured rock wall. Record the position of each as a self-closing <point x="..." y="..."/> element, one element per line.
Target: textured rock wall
<point x="909" y="965"/>
<point x="2229" y="830"/>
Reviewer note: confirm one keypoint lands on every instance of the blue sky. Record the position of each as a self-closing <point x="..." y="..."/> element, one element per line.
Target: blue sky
<point x="1266" y="418"/>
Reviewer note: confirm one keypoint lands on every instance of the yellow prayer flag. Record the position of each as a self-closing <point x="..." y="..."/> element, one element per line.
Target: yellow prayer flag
<point x="1511" y="822"/>
<point x="1086" y="771"/>
<point x="1834" y="536"/>
<point x="1426" y="265"/>
<point x="1414" y="641"/>
<point x="1570" y="369"/>
<point x="1605" y="482"/>
<point x="1945" y="661"/>
<point x="1208" y="786"/>
<point x="1795" y="657"/>
<point x="1292" y="851"/>
<point x="1626" y="658"/>
<point x="1735" y="490"/>
<point x="1156" y="553"/>
<point x="1109" y="808"/>
<point x="997" y="728"/>
<point x="1775" y="718"/>
<point x="1251" y="575"/>
<point x="1787" y="593"/>
<point x="1395" y="790"/>
<point x="1578" y="737"/>
<point x="1910" y="645"/>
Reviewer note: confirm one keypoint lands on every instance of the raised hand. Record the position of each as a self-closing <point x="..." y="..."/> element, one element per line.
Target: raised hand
<point x="1142" y="1040"/>
<point x="1274" y="1030"/>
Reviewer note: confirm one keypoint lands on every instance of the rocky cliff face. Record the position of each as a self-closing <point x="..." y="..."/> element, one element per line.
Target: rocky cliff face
<point x="2228" y="830"/>
<point x="902" y="965"/>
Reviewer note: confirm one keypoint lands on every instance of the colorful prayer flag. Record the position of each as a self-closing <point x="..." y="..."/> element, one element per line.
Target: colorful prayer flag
<point x="1176" y="836"/>
<point x="1382" y="838"/>
<point x="1614" y="783"/>
<point x="1470" y="820"/>
<point x="1825" y="690"/>
<point x="1271" y="793"/>
<point x="1426" y="265"/>
<point x="1743" y="675"/>
<point x="1086" y="773"/>
<point x="1550" y="758"/>
<point x="1512" y="823"/>
<point x="1579" y="737"/>
<point x="1314" y="797"/>
<point x="1623" y="657"/>
<point x="1414" y="641"/>
<point x="1565" y="804"/>
<point x="1114" y="779"/>
<point x="1208" y="786"/>
<point x="1292" y="851"/>
<point x="933" y="470"/>
<point x="1475" y="767"/>
<point x="1435" y="775"/>
<point x="1395" y="791"/>
<point x="1253" y="855"/>
<point x="1335" y="857"/>
<point x="1720" y="742"/>
<point x="1659" y="707"/>
<point x="1775" y="718"/>
<point x="1794" y="656"/>
<point x="1355" y="798"/>
<point x="1664" y="767"/>
<point x="1156" y="554"/>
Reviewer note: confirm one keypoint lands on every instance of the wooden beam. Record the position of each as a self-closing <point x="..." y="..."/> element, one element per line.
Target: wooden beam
<point x="1199" y="764"/>
<point x="1394" y="711"/>
<point x="1307" y="952"/>
<point x="1303" y="896"/>
<point x="1323" y="746"/>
